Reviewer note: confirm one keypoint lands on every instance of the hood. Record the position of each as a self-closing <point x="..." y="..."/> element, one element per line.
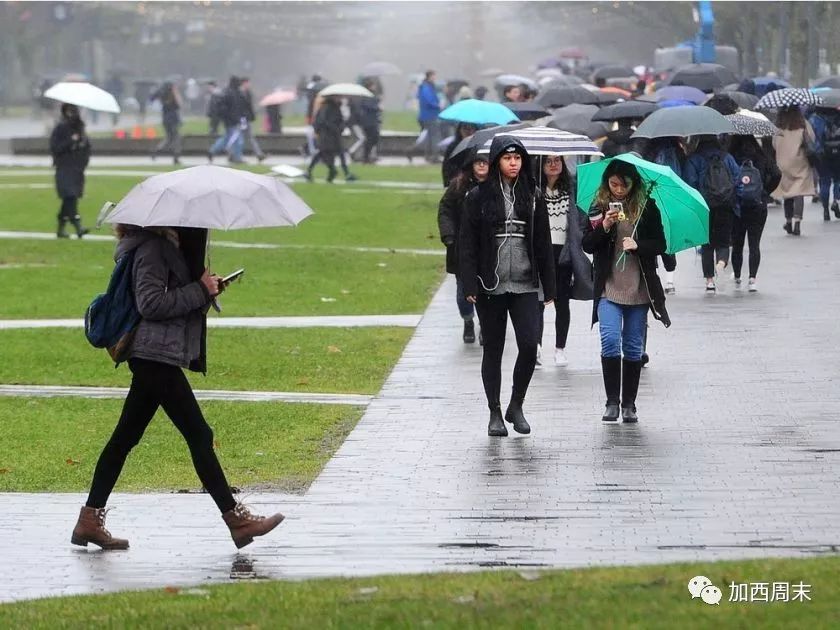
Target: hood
<point x="193" y="245"/>
<point x="498" y="146"/>
<point x="133" y="239"/>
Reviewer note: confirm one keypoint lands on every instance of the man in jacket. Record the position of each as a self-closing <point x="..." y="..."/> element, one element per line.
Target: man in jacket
<point x="232" y="113"/>
<point x="249" y="115"/>
<point x="429" y="103"/>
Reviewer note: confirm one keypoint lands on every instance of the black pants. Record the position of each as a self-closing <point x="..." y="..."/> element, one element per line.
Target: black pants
<point x="709" y="256"/>
<point x="794" y="208"/>
<point x="749" y="225"/>
<point x="493" y="315"/>
<point x="69" y="210"/>
<point x="669" y="261"/>
<point x="172" y="141"/>
<point x="156" y="385"/>
<point x="562" y="319"/>
<point x="371" y="141"/>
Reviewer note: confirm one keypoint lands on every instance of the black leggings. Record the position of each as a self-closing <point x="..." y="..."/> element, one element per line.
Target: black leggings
<point x="563" y="279"/>
<point x="69" y="209"/>
<point x="493" y="315"/>
<point x="156" y="385"/>
<point x="749" y="225"/>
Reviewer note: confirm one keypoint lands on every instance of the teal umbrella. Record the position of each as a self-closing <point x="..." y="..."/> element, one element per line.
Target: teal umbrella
<point x="477" y="112"/>
<point x="685" y="215"/>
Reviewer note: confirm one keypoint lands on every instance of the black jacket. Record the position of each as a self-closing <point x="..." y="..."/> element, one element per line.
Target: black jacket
<point x="572" y="253"/>
<point x="618" y="142"/>
<point x="484" y="209"/>
<point x="650" y="238"/>
<point x="328" y="125"/>
<point x="70" y="158"/>
<point x="450" y="211"/>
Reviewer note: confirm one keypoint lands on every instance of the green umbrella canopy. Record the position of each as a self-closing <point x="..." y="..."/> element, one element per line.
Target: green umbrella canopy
<point x="685" y="215"/>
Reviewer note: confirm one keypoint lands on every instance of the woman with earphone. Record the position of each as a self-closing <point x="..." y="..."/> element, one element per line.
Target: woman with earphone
<point x="505" y="259"/>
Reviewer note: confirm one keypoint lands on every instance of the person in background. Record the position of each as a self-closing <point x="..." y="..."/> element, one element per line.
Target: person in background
<point x="512" y="94"/>
<point x="70" y="149"/>
<point x="452" y="166"/>
<point x="214" y="105"/>
<point x="246" y="125"/>
<point x="620" y="140"/>
<point x="370" y="120"/>
<point x="792" y="158"/>
<point x="170" y="101"/>
<point x="427" y="117"/>
<point x="826" y="125"/>
<point x="116" y="87"/>
<point x="231" y="112"/>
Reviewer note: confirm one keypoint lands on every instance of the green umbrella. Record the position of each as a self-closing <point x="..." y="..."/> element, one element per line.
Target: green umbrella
<point x="685" y="215"/>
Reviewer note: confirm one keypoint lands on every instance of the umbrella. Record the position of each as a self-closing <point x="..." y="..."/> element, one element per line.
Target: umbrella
<point x="84" y="95"/>
<point x="548" y="141"/>
<point x="278" y="97"/>
<point x="674" y="102"/>
<point x="681" y="93"/>
<point x="561" y="97"/>
<point x="684" y="121"/>
<point x="345" y="89"/>
<point x="553" y="73"/>
<point x="750" y="126"/>
<point x="627" y="109"/>
<point x="684" y="213"/>
<point x="722" y="103"/>
<point x="210" y="196"/>
<point x="613" y="72"/>
<point x="482" y="135"/>
<point x="477" y="112"/>
<point x="578" y="119"/>
<point x="551" y="83"/>
<point x="505" y="80"/>
<point x="380" y="68"/>
<point x="742" y="99"/>
<point x="830" y="98"/>
<point x="788" y="97"/>
<point x="829" y="82"/>
<point x="550" y="62"/>
<point x="528" y="110"/>
<point x="612" y="91"/>
<point x="572" y="53"/>
<point x="765" y="81"/>
<point x="704" y="76"/>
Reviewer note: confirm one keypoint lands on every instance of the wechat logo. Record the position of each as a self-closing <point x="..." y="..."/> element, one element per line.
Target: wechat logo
<point x="702" y="587"/>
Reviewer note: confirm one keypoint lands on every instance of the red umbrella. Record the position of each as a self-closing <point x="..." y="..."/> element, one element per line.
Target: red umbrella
<point x="278" y="97"/>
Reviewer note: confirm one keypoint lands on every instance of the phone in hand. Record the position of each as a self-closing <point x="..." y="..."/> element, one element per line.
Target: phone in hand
<point x="618" y="207"/>
<point x="231" y="277"/>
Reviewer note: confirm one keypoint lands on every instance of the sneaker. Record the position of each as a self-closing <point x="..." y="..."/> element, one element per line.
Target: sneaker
<point x="560" y="359"/>
<point x="539" y="356"/>
<point x="669" y="288"/>
<point x="752" y="287"/>
<point x="710" y="287"/>
<point x="350" y="178"/>
<point x="737" y="282"/>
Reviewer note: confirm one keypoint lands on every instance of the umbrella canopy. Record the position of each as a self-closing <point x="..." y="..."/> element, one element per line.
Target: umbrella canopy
<point x="554" y="73"/>
<point x="613" y="72"/>
<point x="477" y="112"/>
<point x="491" y="72"/>
<point x="278" y="97"/>
<point x="707" y="77"/>
<point x="578" y="119"/>
<point x="612" y="91"/>
<point x="627" y="109"/>
<point x="572" y="53"/>
<point x="765" y="81"/>
<point x="567" y="80"/>
<point x="563" y="96"/>
<point x="684" y="213"/>
<point x="380" y="68"/>
<point x="481" y="136"/>
<point x="829" y="82"/>
<point x="213" y="197"/>
<point x="528" y="110"/>
<point x="84" y="95"/>
<point x="345" y="89"/>
<point x="548" y="141"/>
<point x="750" y="126"/>
<point x="674" y="103"/>
<point x="684" y="121"/>
<point x="830" y="98"/>
<point x="723" y="104"/>
<point x="742" y="99"/>
<point x="788" y="97"/>
<point x="505" y="80"/>
<point x="681" y="93"/>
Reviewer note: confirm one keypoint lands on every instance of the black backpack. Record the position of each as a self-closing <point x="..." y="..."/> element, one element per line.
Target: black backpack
<point x="752" y="186"/>
<point x="717" y="186"/>
<point x="831" y="144"/>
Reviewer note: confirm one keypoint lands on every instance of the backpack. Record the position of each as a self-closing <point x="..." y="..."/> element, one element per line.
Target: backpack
<point x="831" y="144"/>
<point x="112" y="317"/>
<point x="717" y="187"/>
<point x="752" y="186"/>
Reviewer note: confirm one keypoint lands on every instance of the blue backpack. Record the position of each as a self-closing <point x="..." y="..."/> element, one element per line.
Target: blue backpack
<point x="752" y="187"/>
<point x="112" y="317"/>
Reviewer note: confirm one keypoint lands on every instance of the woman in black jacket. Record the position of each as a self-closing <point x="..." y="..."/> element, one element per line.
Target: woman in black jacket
<point x="451" y="166"/>
<point x="504" y="256"/>
<point x="170" y="101"/>
<point x="70" y="150"/>
<point x="173" y="292"/>
<point x="449" y="222"/>
<point x="625" y="241"/>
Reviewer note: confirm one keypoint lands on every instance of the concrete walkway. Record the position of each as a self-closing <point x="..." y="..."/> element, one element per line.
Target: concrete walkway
<point x="736" y="456"/>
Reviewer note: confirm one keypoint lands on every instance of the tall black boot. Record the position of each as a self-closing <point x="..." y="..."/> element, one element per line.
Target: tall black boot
<point x="62" y="228"/>
<point x="611" y="369"/>
<point x="77" y="223"/>
<point x="469" y="331"/>
<point x="826" y="215"/>
<point x="497" y="427"/>
<point x="515" y="416"/>
<point x="629" y="389"/>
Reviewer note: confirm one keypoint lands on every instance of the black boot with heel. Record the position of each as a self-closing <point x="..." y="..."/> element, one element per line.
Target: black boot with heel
<point x="611" y="370"/>
<point x="632" y="371"/>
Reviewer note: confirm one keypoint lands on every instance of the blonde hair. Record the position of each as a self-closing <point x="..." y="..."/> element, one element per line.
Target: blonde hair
<point x="634" y="202"/>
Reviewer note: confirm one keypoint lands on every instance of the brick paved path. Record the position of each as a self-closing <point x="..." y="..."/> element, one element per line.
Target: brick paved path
<point x="737" y="455"/>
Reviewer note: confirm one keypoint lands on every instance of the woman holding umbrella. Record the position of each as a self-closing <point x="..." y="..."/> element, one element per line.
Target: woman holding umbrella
<point x="70" y="150"/>
<point x="792" y="159"/>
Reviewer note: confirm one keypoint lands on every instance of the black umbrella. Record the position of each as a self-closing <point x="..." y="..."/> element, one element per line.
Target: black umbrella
<point x="829" y="82"/>
<point x="788" y="97"/>
<point x="577" y="118"/>
<point x="830" y="99"/>
<point x="483" y="135"/>
<point x="561" y="97"/>
<point x="528" y="111"/>
<point x="684" y="121"/>
<point x="627" y="109"/>
<point x="704" y="76"/>
<point x="612" y="72"/>
<point x="742" y="99"/>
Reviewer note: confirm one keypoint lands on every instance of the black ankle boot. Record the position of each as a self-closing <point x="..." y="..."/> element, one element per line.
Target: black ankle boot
<point x="515" y="416"/>
<point x="826" y="215"/>
<point x="787" y="227"/>
<point x="835" y="208"/>
<point x="796" y="231"/>
<point x="62" y="229"/>
<point x="469" y="331"/>
<point x="611" y="370"/>
<point x="629" y="388"/>
<point x="77" y="223"/>
<point x="497" y="427"/>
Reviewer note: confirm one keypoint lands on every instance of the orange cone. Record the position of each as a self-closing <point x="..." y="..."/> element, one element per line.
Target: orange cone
<point x="136" y="132"/>
<point x="150" y="133"/>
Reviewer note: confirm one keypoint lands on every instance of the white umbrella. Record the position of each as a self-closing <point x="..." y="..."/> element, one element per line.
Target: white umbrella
<point x="212" y="197"/>
<point x="548" y="141"/>
<point x="345" y="89"/>
<point x="84" y="95"/>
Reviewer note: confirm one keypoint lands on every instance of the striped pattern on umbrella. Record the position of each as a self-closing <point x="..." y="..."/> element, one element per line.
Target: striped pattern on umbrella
<point x="548" y="141"/>
<point x="789" y="97"/>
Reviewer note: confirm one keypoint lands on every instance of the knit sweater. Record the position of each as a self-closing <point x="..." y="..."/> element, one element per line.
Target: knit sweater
<point x="557" y="203"/>
<point x="625" y="284"/>
<point x="514" y="265"/>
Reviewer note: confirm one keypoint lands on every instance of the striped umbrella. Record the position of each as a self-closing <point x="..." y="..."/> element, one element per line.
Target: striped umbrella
<point x="788" y="97"/>
<point x="548" y="141"/>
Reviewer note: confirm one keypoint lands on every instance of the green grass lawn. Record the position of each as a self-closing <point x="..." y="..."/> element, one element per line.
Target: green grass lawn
<point x="613" y="597"/>
<point x="335" y="360"/>
<point x="53" y="444"/>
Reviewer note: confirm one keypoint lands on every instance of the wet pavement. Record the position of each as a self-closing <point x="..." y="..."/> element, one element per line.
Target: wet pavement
<point x="737" y="455"/>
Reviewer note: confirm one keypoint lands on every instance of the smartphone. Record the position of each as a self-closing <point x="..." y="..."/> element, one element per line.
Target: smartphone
<point x="618" y="207"/>
<point x="234" y="276"/>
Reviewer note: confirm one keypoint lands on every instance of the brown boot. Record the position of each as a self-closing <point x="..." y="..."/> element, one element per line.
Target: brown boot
<point x="244" y="526"/>
<point x="90" y="528"/>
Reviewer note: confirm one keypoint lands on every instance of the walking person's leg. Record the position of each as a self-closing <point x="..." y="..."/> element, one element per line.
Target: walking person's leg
<point x="632" y="345"/>
<point x="707" y="259"/>
<point x="787" y="204"/>
<point x="755" y="228"/>
<point x="798" y="209"/>
<point x="524" y="315"/>
<point x="164" y="144"/>
<point x="329" y="160"/>
<point x="834" y="172"/>
<point x="316" y="157"/>
<point x="739" y="233"/>
<point x="65" y="214"/>
<point x="492" y="315"/>
<point x="466" y="310"/>
<point x="70" y="208"/>
<point x="562" y="314"/>
<point x="669" y="261"/>
<point x="255" y="146"/>
<point x="610" y="317"/>
<point x="824" y="178"/>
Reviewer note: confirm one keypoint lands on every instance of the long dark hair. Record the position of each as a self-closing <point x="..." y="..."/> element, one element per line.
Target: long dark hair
<point x="790" y="118"/>
<point x="564" y="182"/>
<point x="635" y="201"/>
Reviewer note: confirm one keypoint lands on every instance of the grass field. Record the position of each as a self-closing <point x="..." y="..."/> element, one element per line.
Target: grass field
<point x="614" y="597"/>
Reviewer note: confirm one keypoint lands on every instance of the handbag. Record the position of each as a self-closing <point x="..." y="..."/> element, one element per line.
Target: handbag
<point x="809" y="147"/>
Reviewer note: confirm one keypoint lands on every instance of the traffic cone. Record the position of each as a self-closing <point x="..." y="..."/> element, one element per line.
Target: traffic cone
<point x="119" y="134"/>
<point x="150" y="133"/>
<point x="136" y="132"/>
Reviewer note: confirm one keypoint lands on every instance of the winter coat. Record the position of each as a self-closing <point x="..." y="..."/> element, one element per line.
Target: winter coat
<point x="450" y="211"/>
<point x="572" y="253"/>
<point x="248" y="106"/>
<point x="427" y="98"/>
<point x="650" y="238"/>
<point x="70" y="158"/>
<point x="232" y="107"/>
<point x="484" y="209"/>
<point x="172" y="303"/>
<point x="797" y="174"/>
<point x="369" y="113"/>
<point x="720" y="218"/>
<point x="329" y="123"/>
<point x="170" y="108"/>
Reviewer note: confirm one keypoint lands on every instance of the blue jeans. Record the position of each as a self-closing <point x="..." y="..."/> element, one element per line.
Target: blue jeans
<point x="829" y="171"/>
<point x="466" y="309"/>
<point x="232" y="142"/>
<point x="622" y="329"/>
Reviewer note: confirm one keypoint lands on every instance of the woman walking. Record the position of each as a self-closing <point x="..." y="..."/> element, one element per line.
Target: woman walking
<point x="505" y="254"/>
<point x="173" y="292"/>
<point x="170" y="101"/>
<point x="450" y="211"/>
<point x="70" y="149"/>
<point x="572" y="269"/>
<point x="625" y="241"/>
<point x="792" y="159"/>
